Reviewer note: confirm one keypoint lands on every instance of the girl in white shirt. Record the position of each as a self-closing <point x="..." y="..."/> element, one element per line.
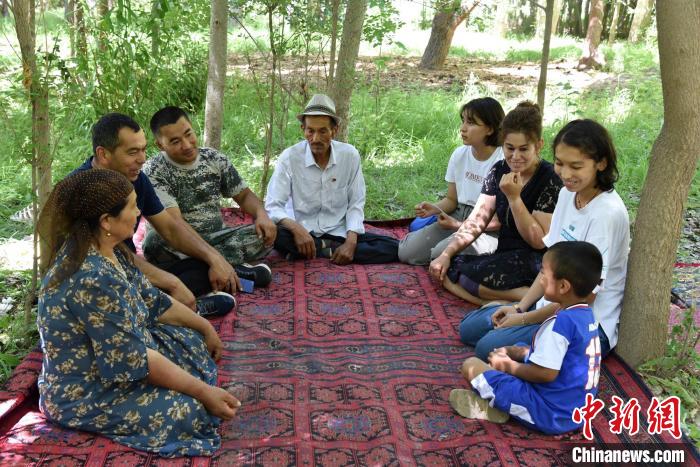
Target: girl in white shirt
<point x="588" y="209"/>
<point x="466" y="170"/>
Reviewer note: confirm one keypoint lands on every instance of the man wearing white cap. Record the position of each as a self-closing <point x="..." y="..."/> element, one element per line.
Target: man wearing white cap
<point x="323" y="178"/>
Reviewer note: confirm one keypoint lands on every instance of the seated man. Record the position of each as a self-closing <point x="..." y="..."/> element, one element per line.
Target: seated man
<point x="190" y="182"/>
<point x="324" y="180"/>
<point x="119" y="144"/>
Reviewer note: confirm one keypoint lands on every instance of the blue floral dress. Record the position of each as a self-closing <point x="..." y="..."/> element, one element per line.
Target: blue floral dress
<point x="95" y="328"/>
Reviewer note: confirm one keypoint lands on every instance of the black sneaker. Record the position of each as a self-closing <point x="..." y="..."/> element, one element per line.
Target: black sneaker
<point x="260" y="274"/>
<point x="215" y="304"/>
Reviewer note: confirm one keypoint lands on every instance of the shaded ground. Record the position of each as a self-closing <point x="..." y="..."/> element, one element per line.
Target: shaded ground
<point x="516" y="80"/>
<point x="689" y="247"/>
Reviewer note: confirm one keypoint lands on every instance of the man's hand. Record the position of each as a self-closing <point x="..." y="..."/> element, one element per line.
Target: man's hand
<point x="304" y="242"/>
<point x="448" y="222"/>
<point x="511" y="185"/>
<point x="222" y="276"/>
<point x="500" y="314"/>
<point x="439" y="267"/>
<point x="345" y="253"/>
<point x="266" y="229"/>
<point x="213" y="343"/>
<point x="179" y="291"/>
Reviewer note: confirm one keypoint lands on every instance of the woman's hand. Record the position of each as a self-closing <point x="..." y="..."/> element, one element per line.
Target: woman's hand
<point x="439" y="267"/>
<point x="500" y="314"/>
<point x="448" y="222"/>
<point x="219" y="402"/>
<point x="213" y="343"/>
<point x="425" y="209"/>
<point x="511" y="185"/>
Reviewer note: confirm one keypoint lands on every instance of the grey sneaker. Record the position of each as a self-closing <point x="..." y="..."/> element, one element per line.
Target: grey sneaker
<point x="215" y="304"/>
<point x="260" y="274"/>
<point x="468" y="404"/>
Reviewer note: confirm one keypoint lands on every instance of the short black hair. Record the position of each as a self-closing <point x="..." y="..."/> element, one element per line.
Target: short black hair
<point x="490" y="112"/>
<point x="580" y="263"/>
<point x="105" y="132"/>
<point x="166" y="116"/>
<point x="592" y="139"/>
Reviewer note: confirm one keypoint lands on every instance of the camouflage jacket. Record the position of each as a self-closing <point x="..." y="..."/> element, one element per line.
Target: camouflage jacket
<point x="196" y="189"/>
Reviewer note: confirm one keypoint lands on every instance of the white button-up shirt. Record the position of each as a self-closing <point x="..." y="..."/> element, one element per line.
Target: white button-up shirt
<point x="329" y="200"/>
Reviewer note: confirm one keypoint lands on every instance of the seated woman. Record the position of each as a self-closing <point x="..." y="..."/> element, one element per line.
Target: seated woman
<point x="121" y="358"/>
<point x="513" y="190"/>
<point x="589" y="209"/>
<point x="466" y="170"/>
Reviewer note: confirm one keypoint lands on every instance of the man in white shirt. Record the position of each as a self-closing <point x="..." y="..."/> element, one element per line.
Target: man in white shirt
<point x="323" y="179"/>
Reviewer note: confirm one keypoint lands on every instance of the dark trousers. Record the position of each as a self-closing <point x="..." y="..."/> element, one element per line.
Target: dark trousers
<point x="371" y="248"/>
<point x="194" y="273"/>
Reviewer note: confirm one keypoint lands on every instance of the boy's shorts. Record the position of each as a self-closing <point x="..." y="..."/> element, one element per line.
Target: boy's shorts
<point x="519" y="399"/>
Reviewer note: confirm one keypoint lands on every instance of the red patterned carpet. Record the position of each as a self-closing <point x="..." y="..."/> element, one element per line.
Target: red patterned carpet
<point x="336" y="366"/>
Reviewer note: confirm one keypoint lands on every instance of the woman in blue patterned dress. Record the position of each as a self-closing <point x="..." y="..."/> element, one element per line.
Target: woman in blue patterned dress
<point x="121" y="358"/>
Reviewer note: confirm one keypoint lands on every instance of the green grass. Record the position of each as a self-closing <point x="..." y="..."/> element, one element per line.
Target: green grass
<point x="567" y="52"/>
<point x="405" y="138"/>
<point x="461" y="52"/>
<point x="17" y="337"/>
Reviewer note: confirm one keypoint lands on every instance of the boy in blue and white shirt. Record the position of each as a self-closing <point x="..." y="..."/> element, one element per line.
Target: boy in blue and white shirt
<point x="541" y="385"/>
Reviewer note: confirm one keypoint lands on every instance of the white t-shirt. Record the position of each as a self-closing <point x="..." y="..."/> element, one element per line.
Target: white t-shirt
<point x="468" y="173"/>
<point x="604" y="222"/>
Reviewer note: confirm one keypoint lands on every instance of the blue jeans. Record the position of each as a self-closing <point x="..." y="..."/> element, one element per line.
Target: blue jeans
<point x="476" y="329"/>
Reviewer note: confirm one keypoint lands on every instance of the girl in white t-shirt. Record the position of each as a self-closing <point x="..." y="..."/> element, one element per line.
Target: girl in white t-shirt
<point x="466" y="170"/>
<point x="588" y="209"/>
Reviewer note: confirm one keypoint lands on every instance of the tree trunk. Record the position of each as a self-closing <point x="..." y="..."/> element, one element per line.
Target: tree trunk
<point x="556" y="13"/>
<point x="592" y="57"/>
<point x="347" y="56"/>
<point x="438" y="47"/>
<point x="69" y="15"/>
<point x="642" y="15"/>
<point x="102" y="12"/>
<point x="155" y="27"/>
<point x="24" y="13"/>
<point x="542" y="83"/>
<point x="674" y="158"/>
<point x="613" y="24"/>
<point x="335" y="6"/>
<point x="271" y="101"/>
<point x="445" y="22"/>
<point x="542" y="19"/>
<point x="80" y="30"/>
<point x="501" y="20"/>
<point x="216" y="80"/>
<point x="24" y="26"/>
<point x="578" y="27"/>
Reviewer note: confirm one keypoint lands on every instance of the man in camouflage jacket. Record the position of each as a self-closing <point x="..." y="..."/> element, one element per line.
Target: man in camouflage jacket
<point x="190" y="182"/>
